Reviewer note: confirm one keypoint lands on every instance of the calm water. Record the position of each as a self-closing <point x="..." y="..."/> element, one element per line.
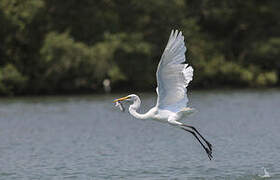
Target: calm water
<point x="86" y="137"/>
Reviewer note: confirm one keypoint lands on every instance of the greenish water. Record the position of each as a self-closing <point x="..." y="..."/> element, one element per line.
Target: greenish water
<point x="86" y="137"/>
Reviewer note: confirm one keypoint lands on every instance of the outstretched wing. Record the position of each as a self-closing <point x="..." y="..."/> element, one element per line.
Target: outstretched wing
<point x="172" y="76"/>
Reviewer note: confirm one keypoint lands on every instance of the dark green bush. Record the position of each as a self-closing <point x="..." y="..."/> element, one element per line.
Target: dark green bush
<point x="11" y="80"/>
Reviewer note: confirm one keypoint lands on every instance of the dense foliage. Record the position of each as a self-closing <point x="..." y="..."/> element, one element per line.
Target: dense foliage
<point x="50" y="46"/>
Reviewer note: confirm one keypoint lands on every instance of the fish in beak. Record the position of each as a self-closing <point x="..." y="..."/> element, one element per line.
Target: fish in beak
<point x="119" y="103"/>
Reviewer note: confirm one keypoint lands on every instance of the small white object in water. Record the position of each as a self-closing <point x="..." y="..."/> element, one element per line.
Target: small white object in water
<point x="120" y="105"/>
<point x="266" y="174"/>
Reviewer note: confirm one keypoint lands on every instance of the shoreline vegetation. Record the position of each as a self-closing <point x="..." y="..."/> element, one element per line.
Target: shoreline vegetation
<point x="70" y="47"/>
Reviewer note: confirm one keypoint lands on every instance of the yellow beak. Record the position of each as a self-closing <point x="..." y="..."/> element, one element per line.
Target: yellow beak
<point x="121" y="99"/>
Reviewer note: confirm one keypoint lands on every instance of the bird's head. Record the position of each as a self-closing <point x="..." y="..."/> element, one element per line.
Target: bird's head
<point x="131" y="99"/>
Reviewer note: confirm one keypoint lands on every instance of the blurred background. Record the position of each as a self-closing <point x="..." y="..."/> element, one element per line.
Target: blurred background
<point x="58" y="47"/>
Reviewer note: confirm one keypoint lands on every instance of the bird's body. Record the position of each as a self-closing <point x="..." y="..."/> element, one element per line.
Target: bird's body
<point x="172" y="79"/>
<point x="167" y="116"/>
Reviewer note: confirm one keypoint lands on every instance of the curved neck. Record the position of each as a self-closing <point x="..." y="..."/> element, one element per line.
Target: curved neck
<point x="135" y="106"/>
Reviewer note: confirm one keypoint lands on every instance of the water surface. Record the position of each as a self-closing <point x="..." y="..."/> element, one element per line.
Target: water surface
<point x="86" y="137"/>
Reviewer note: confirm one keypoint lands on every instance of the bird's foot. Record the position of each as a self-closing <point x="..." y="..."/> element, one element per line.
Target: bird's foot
<point x="209" y="153"/>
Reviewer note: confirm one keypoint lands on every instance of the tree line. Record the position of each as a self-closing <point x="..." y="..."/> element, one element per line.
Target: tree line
<point x="50" y="46"/>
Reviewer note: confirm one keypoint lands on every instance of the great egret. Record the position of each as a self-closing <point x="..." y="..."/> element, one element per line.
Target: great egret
<point x="172" y="79"/>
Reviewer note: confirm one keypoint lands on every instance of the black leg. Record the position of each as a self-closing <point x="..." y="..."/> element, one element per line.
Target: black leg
<point x="193" y="128"/>
<point x="209" y="152"/>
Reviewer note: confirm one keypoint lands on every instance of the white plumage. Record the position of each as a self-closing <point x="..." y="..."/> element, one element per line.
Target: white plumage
<point x="173" y="76"/>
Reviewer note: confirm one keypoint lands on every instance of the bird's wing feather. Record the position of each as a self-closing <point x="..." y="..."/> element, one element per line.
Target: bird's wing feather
<point x="172" y="76"/>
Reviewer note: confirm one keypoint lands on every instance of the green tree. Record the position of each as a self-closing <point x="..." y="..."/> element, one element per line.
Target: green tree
<point x="71" y="46"/>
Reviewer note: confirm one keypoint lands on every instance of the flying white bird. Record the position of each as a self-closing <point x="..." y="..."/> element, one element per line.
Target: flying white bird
<point x="172" y="79"/>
